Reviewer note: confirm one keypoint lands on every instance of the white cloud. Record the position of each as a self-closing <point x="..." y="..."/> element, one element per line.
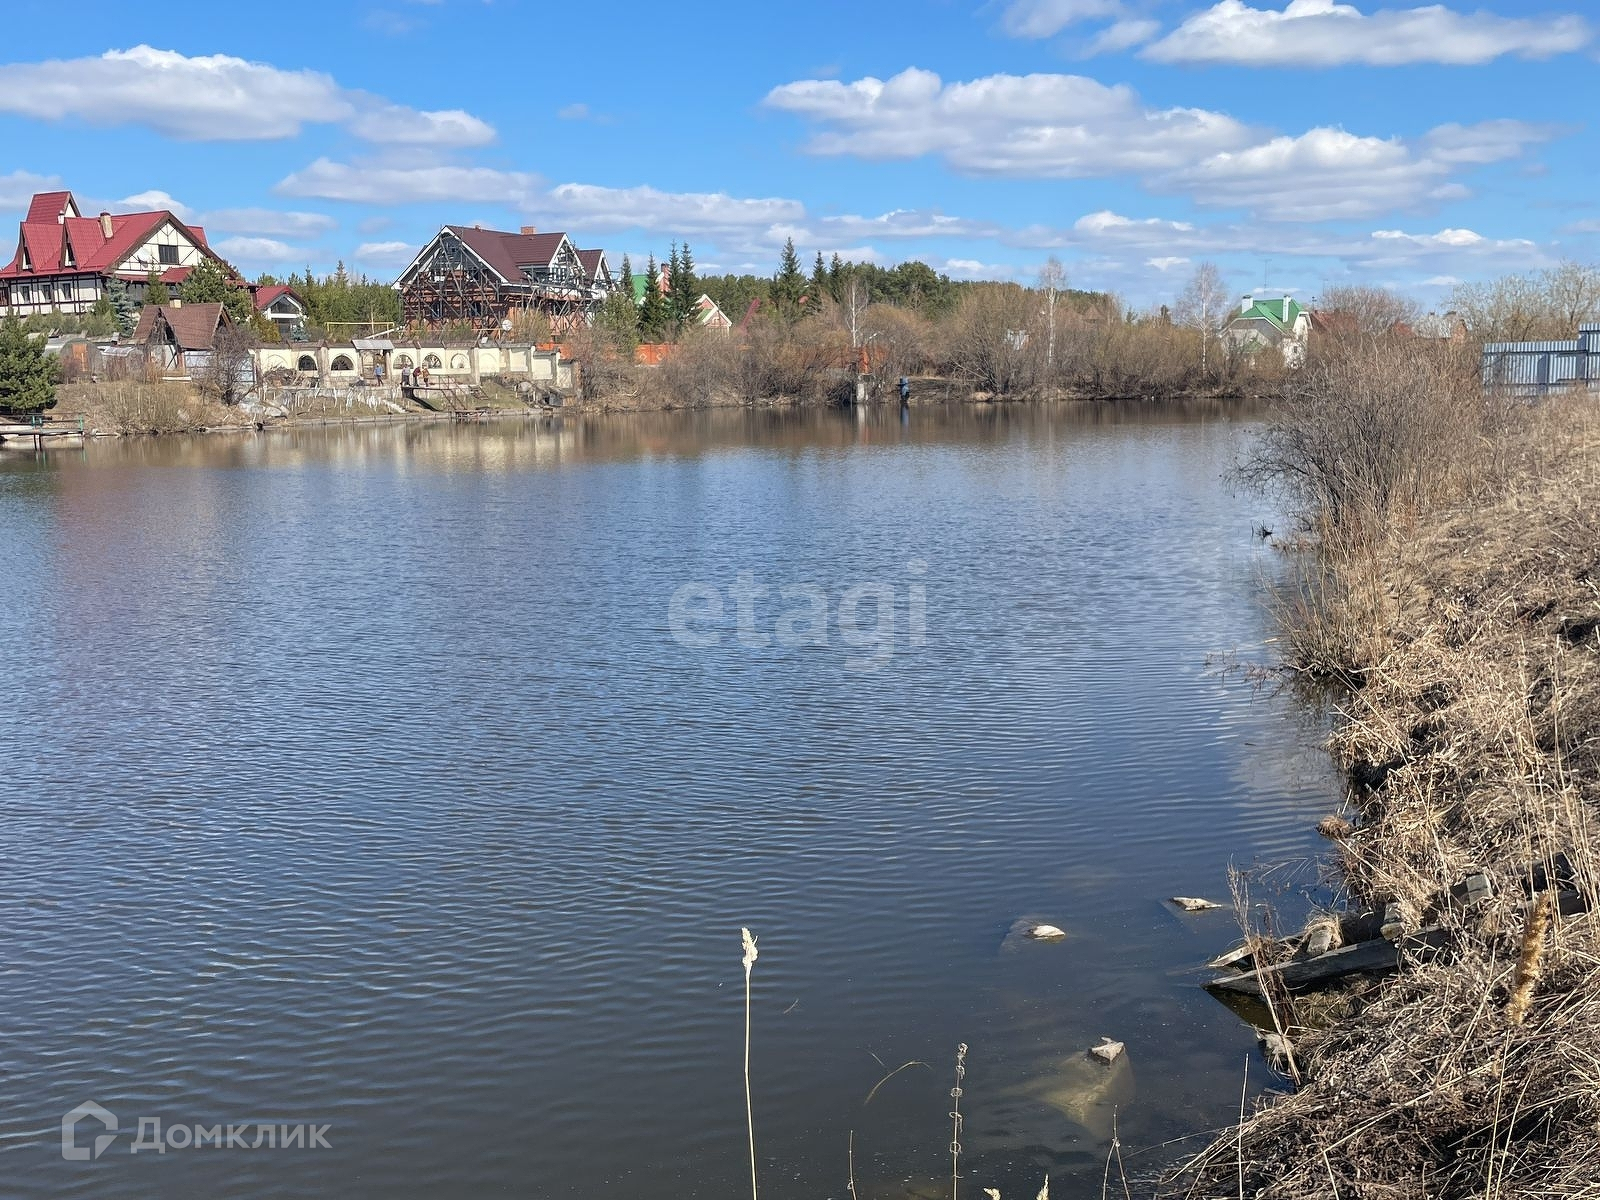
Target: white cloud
<point x="1124" y="35"/>
<point x="1322" y="175"/>
<point x="396" y="125"/>
<point x="1325" y="33"/>
<point x="217" y="98"/>
<point x="18" y="188"/>
<point x="1046" y="18"/>
<point x="386" y="254"/>
<point x="1485" y="142"/>
<point x="151" y="201"/>
<point x="595" y="207"/>
<point x="573" y="112"/>
<point x="1058" y="126"/>
<point x="379" y="184"/>
<point x="257" y="249"/>
<point x="269" y="222"/>
<point x="905" y="223"/>
<point x="1168" y="262"/>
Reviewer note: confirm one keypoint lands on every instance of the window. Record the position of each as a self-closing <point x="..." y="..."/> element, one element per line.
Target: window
<point x="24" y="294"/>
<point x="403" y="361"/>
<point x="458" y="363"/>
<point x="432" y="362"/>
<point x="306" y="363"/>
<point x="342" y="363"/>
<point x="168" y="255"/>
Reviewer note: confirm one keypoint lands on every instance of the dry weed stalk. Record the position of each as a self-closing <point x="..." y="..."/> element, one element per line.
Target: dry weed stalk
<point x="749" y="1108"/>
<point x="1528" y="960"/>
<point x="955" y="1119"/>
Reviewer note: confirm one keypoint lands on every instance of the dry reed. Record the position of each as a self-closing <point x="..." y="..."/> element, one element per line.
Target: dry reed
<point x="1470" y="728"/>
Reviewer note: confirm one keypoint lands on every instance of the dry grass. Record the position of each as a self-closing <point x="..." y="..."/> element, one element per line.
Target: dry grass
<point x="1466" y="622"/>
<point x="135" y="406"/>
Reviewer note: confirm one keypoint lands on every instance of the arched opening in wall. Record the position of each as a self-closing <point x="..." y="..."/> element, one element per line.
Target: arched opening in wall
<point x="432" y="362"/>
<point x="342" y="363"/>
<point x="403" y="360"/>
<point x="306" y="363"/>
<point x="458" y="363"/>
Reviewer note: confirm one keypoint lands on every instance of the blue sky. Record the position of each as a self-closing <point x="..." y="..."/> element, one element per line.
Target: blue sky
<point x="1299" y="145"/>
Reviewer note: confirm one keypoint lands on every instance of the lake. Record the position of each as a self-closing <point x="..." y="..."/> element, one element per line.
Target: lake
<point x="411" y="783"/>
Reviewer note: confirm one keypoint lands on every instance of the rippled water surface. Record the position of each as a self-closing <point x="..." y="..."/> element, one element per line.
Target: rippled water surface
<point x="355" y="776"/>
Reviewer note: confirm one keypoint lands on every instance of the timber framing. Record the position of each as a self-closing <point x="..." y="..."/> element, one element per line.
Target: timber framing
<point x="484" y="277"/>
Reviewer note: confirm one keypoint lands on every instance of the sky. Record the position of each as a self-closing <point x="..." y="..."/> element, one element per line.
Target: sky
<point x="1299" y="145"/>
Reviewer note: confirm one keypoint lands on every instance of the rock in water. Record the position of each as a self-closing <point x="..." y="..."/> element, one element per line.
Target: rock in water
<point x="1084" y="1090"/>
<point x="1108" y="1050"/>
<point x="1045" y="933"/>
<point x="1194" y="903"/>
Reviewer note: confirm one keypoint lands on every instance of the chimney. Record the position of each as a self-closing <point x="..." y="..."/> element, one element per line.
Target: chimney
<point x="1246" y="302"/>
<point x="174" y="303"/>
<point x="105" y="225"/>
<point x="529" y="230"/>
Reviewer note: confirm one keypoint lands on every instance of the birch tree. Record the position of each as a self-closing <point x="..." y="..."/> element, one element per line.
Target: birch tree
<point x="1202" y="305"/>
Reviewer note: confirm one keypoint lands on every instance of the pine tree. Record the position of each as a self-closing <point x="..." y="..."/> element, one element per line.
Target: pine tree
<point x="27" y="373"/>
<point x="789" y="284"/>
<point x="688" y="287"/>
<point x="653" y="312"/>
<point x="124" y="308"/>
<point x="212" y="283"/>
<point x="627" y="275"/>
<point x="674" y="295"/>
<point x="819" y="280"/>
<point x="155" y="292"/>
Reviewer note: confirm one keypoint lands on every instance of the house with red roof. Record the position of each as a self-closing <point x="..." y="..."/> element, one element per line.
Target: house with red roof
<point x="64" y="260"/>
<point x="281" y="305"/>
<point x="468" y="275"/>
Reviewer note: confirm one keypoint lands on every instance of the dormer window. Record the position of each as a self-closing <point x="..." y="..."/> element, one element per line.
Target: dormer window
<point x="66" y="255"/>
<point x="27" y="262"/>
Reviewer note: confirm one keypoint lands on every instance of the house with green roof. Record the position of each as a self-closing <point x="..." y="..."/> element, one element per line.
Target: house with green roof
<point x="1263" y="324"/>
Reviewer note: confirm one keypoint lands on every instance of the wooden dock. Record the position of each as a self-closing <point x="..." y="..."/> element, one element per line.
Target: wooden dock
<point x="38" y="433"/>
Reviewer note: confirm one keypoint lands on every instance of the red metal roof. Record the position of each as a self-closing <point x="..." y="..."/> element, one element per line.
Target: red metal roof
<point x="48" y="206"/>
<point x="266" y="295"/>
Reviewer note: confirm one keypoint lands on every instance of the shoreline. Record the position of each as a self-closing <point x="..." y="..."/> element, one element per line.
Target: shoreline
<point x="1465" y="644"/>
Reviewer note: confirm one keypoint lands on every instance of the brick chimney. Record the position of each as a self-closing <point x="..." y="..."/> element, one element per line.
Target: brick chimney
<point x="105" y="225"/>
<point x="529" y="230"/>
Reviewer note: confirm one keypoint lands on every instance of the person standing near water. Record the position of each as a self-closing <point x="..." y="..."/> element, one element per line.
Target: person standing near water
<point x="905" y="390"/>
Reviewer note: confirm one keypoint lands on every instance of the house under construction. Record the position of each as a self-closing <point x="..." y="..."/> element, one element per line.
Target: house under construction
<point x="484" y="278"/>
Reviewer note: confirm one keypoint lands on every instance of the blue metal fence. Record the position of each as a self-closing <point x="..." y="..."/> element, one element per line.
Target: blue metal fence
<point x="1535" y="368"/>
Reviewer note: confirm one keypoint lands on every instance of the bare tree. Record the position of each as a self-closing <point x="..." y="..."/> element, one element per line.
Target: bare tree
<point x="1052" y="281"/>
<point x="229" y="375"/>
<point x="1369" y="311"/>
<point x="855" y="303"/>
<point x="1202" y="305"/>
<point x="1573" y="293"/>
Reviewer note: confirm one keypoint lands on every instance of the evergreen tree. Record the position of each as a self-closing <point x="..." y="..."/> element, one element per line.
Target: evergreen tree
<point x="819" y="280"/>
<point x="155" y="292"/>
<point x="27" y="373"/>
<point x="102" y="319"/>
<point x="627" y="275"/>
<point x="653" y="312"/>
<point x="687" y="287"/>
<point x="789" y="284"/>
<point x="212" y="283"/>
<point x="836" y="278"/>
<point x="674" y="292"/>
<point x="618" y="321"/>
<point x="124" y="308"/>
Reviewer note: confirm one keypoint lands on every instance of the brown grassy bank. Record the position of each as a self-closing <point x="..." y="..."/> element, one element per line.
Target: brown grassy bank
<point x="1454" y="593"/>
